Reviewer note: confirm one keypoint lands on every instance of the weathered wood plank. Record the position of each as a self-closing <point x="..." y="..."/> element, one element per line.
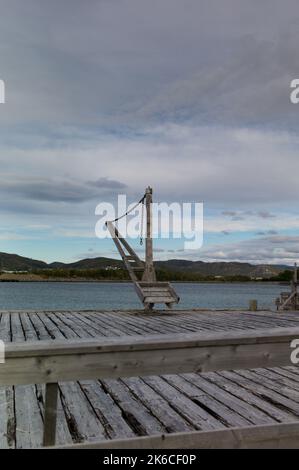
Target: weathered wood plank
<point x="109" y="413"/>
<point x="157" y="405"/>
<point x="263" y="411"/>
<point x="43" y="330"/>
<point x="35" y="329"/>
<point x="44" y="362"/>
<point x="287" y="372"/>
<point x="64" y="326"/>
<point x="7" y="421"/>
<point x="267" y="394"/>
<point x="50" y="417"/>
<point x="277" y="436"/>
<point x="28" y="327"/>
<point x="226" y="409"/>
<point x="100" y="330"/>
<point x="29" y="425"/>
<point x="80" y="414"/>
<point x="288" y="397"/>
<point x="81" y="418"/>
<point x="235" y="400"/>
<point x="197" y="416"/>
<point x="140" y="419"/>
<point x="281" y="381"/>
<point x="144" y="324"/>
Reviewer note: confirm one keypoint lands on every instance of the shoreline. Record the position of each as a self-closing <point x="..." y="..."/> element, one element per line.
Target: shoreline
<point x="119" y="281"/>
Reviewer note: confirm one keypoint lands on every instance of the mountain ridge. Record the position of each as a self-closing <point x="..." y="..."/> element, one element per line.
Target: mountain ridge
<point x="14" y="262"/>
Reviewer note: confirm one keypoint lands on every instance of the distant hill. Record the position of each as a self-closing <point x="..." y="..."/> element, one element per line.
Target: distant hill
<point x="87" y="263"/>
<point x="221" y="268"/>
<point x="12" y="262"/>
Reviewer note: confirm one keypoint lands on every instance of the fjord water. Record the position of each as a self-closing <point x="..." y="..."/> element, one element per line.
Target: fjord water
<point x="110" y="295"/>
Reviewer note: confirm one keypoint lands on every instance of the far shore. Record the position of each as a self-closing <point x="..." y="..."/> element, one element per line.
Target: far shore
<point x="11" y="277"/>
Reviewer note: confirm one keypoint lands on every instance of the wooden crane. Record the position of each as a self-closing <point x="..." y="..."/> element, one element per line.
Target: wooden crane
<point x="142" y="273"/>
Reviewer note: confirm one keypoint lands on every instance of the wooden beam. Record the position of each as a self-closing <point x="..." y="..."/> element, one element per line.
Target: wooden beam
<point x="50" y="417"/>
<point x="288" y="300"/>
<point x="113" y="231"/>
<point x="149" y="272"/>
<point x="273" y="436"/>
<point x="53" y="361"/>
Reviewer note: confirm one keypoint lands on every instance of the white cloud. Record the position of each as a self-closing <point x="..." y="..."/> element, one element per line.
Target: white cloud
<point x="12" y="236"/>
<point x="251" y="223"/>
<point x="270" y="249"/>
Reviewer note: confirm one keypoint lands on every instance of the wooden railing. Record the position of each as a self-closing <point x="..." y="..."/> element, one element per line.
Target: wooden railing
<point x="52" y="361"/>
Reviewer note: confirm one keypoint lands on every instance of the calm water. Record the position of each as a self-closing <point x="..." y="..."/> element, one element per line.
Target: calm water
<point x="68" y="295"/>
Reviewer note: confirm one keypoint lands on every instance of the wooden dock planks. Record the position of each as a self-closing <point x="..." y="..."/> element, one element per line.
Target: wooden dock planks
<point x="124" y="408"/>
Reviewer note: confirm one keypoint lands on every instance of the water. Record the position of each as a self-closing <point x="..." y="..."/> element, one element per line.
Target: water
<point x="88" y="295"/>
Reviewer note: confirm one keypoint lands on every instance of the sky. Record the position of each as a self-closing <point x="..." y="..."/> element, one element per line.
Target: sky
<point x="192" y="97"/>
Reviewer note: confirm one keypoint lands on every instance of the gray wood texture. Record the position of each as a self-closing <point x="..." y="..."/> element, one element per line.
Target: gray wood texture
<point x="50" y="414"/>
<point x="78" y="359"/>
<point x="111" y="410"/>
<point x="283" y="436"/>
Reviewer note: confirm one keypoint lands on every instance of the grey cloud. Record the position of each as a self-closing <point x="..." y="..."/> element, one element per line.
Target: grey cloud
<point x="127" y="62"/>
<point x="118" y="73"/>
<point x="240" y="215"/>
<point x="155" y="249"/>
<point x="237" y="216"/>
<point x="251" y="89"/>
<point x="265" y="215"/>
<point x="58" y="189"/>
<point x="267" y="232"/>
<point x="229" y="213"/>
<point x="106" y="183"/>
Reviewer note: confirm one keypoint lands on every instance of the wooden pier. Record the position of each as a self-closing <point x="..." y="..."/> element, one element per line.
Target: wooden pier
<point x="139" y="379"/>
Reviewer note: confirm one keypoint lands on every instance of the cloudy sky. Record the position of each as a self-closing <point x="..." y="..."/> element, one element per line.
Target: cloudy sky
<point x="190" y="96"/>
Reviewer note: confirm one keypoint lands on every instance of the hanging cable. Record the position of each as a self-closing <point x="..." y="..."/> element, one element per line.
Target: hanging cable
<point x="128" y="212"/>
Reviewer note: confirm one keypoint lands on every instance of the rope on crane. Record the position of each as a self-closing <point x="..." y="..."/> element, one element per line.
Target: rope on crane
<point x="131" y="210"/>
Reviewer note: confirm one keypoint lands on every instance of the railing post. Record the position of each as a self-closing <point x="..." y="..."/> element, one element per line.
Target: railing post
<point x="50" y="415"/>
<point x="253" y="305"/>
